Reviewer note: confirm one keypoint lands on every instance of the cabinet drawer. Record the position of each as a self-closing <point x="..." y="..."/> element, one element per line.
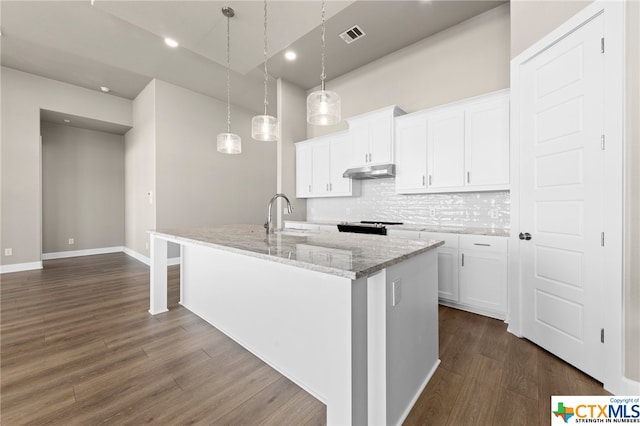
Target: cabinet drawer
<point x="483" y="242"/>
<point x="450" y="240"/>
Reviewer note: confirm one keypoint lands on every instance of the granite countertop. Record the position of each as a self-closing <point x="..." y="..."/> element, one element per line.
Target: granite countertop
<point x="425" y="228"/>
<point x="343" y="254"/>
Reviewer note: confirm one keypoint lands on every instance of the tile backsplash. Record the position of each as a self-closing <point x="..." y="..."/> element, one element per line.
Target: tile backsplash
<point x="378" y="201"/>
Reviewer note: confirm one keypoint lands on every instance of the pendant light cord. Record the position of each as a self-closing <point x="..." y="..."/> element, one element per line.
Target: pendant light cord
<point x="266" y="75"/>
<point x="228" y="79"/>
<point x="323" y="75"/>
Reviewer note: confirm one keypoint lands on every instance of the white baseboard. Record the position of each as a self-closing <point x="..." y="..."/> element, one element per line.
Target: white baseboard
<point x="418" y="393"/>
<point x="624" y="387"/>
<point x="144" y="259"/>
<point x="137" y="256"/>
<point x="76" y="253"/>
<point x="19" y="267"/>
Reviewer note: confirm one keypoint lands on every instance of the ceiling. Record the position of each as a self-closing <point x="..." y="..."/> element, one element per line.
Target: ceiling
<point x="119" y="44"/>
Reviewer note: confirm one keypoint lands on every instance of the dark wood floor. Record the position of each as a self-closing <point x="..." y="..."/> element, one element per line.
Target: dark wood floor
<point x="78" y="347"/>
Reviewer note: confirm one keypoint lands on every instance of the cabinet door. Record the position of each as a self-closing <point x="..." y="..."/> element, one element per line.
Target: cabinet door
<point x="340" y="150"/>
<point x="360" y="143"/>
<point x="411" y="155"/>
<point x="483" y="280"/>
<point x="446" y="150"/>
<point x="448" y="274"/>
<point x="304" y="170"/>
<point x="381" y="140"/>
<point x="487" y="142"/>
<point x="321" y="154"/>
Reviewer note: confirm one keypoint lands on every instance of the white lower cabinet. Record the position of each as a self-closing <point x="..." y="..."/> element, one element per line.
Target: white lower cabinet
<point x="483" y="274"/>
<point x="472" y="272"/>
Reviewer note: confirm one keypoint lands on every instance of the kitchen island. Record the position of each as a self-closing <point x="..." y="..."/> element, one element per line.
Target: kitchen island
<point x="352" y="319"/>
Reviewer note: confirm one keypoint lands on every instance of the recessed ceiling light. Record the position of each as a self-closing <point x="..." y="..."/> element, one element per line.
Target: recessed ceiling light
<point x="66" y="120"/>
<point x="105" y="89"/>
<point x="170" y="42"/>
<point x="290" y="55"/>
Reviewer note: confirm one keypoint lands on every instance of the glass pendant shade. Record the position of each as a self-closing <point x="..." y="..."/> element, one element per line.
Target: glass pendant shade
<point x="323" y="108"/>
<point x="229" y="143"/>
<point x="264" y="128"/>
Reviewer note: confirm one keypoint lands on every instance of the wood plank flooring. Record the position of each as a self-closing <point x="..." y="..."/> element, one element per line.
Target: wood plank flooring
<point x="78" y="347"/>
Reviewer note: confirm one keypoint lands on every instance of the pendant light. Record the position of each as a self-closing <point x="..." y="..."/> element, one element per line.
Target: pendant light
<point x="323" y="106"/>
<point x="264" y="127"/>
<point x="229" y="143"/>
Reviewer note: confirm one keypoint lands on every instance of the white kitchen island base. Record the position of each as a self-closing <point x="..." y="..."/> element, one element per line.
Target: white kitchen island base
<point x="340" y="339"/>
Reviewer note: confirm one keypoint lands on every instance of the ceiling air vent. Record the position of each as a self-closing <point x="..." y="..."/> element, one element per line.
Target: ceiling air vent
<point x="352" y="34"/>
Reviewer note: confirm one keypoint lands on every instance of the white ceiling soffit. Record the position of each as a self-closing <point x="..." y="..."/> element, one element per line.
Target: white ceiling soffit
<point x="200" y="27"/>
<point x="82" y="122"/>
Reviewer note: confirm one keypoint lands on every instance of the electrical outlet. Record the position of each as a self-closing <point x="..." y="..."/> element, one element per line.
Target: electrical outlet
<point x="493" y="214"/>
<point x="432" y="212"/>
<point x="396" y="287"/>
<point x="8" y="252"/>
<point x="71" y="241"/>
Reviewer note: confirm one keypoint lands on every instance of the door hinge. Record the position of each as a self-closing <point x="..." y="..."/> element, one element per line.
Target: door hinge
<point x="602" y="142"/>
<point x="602" y="239"/>
<point x="602" y="335"/>
<point x="602" y="45"/>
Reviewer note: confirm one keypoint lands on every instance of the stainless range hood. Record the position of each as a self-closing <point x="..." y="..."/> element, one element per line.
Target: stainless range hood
<point x="371" y="172"/>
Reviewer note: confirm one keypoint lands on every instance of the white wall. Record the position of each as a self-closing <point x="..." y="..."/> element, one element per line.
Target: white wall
<point x="196" y="185"/>
<point x="82" y="189"/>
<point x="140" y="172"/>
<point x="533" y="19"/>
<point x="23" y="95"/>
<point x="466" y="60"/>
<point x="292" y="117"/>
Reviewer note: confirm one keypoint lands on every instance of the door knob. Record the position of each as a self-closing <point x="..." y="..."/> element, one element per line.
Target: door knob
<point x="525" y="236"/>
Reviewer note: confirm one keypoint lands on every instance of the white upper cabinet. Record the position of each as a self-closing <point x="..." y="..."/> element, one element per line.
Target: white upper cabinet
<point x="339" y="162"/>
<point x="467" y="147"/>
<point x="321" y="160"/>
<point x="487" y="142"/>
<point x="411" y="153"/>
<point x="304" y="169"/>
<point x="446" y="150"/>
<point x="372" y="136"/>
<point x="320" y="163"/>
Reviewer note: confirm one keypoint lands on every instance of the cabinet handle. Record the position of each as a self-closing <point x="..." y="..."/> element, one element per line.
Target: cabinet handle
<point x="480" y="244"/>
<point x="366" y="158"/>
<point x="422" y="180"/>
<point x="462" y="259"/>
<point x="309" y="188"/>
<point x="429" y="180"/>
<point x="330" y="187"/>
<point x="369" y="157"/>
<point x="468" y="177"/>
<point x="327" y="187"/>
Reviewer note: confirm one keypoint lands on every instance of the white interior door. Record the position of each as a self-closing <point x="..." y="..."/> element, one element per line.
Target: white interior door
<point x="561" y="175"/>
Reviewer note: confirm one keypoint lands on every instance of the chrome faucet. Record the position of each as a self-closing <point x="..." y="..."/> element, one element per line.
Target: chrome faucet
<point x="268" y="225"/>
